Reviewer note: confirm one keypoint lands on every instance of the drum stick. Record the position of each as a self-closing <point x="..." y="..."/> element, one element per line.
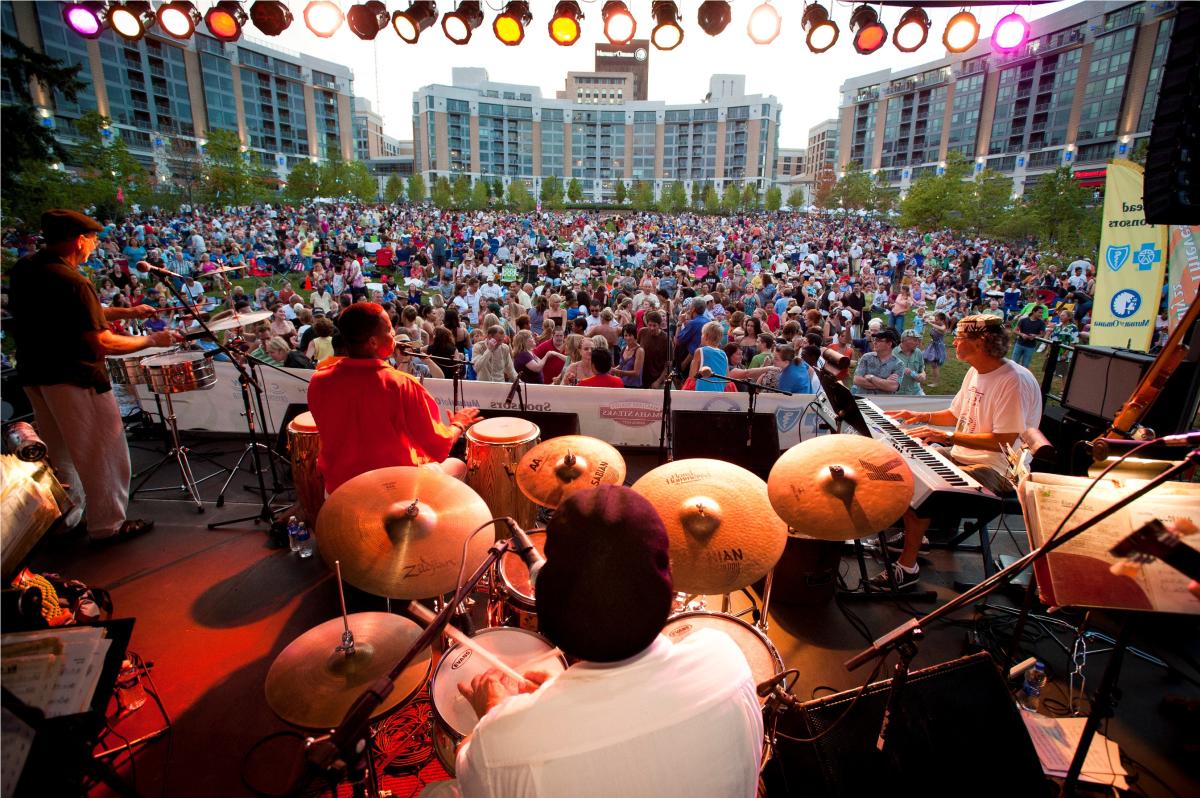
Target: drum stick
<point x="528" y="664"/>
<point x="423" y="613"/>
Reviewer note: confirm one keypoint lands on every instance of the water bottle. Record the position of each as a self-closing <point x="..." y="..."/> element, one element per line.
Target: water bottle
<point x="304" y="541"/>
<point x="293" y="530"/>
<point x="130" y="692"/>
<point x="1030" y="697"/>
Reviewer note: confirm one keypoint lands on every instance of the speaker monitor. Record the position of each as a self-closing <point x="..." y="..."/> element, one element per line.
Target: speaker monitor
<point x="958" y="732"/>
<point x="721" y="435"/>
<point x="1172" y="180"/>
<point x="1101" y="379"/>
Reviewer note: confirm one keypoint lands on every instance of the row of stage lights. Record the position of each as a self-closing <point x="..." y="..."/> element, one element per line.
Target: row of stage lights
<point x="226" y="19"/>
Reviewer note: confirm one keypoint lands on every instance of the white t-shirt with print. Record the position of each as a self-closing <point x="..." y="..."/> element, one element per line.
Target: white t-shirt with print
<point x="1007" y="399"/>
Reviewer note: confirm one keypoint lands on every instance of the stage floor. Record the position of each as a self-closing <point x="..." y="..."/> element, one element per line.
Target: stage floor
<point x="215" y="607"/>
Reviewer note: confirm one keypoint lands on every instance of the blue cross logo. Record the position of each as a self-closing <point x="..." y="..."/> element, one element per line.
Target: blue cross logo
<point x="1146" y="256"/>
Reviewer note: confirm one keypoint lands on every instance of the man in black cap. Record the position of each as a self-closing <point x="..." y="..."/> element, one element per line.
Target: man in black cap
<point x="60" y="359"/>
<point x="636" y="715"/>
<point x="879" y="371"/>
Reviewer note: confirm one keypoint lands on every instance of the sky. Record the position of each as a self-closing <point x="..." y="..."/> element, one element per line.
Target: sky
<point x="387" y="71"/>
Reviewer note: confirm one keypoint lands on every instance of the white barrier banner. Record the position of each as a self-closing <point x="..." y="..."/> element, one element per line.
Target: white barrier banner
<point x="621" y="416"/>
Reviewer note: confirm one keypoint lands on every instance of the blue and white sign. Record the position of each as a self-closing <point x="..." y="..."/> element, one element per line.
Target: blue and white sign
<point x="1146" y="256"/>
<point x="1125" y="303"/>
<point x="1115" y="257"/>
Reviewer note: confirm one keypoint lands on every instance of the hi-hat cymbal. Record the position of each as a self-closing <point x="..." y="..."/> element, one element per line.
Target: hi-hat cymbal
<point x="312" y="684"/>
<point x="723" y="533"/>
<point x="236" y="321"/>
<point x="399" y="531"/>
<point x="840" y="487"/>
<point x="556" y="468"/>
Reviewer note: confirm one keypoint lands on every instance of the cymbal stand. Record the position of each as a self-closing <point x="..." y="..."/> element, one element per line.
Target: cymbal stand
<point x="179" y="453"/>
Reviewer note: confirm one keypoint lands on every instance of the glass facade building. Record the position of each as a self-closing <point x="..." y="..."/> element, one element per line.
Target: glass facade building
<point x="1081" y="91"/>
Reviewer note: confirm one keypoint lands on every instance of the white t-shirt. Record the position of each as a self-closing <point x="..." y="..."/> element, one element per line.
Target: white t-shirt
<point x="677" y="719"/>
<point x="1007" y="399"/>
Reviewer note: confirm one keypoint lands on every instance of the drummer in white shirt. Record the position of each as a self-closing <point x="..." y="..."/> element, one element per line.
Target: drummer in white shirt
<point x="637" y="715"/>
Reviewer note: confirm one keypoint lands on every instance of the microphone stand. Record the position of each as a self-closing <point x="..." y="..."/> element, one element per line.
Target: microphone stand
<point x="666" y="432"/>
<point x="904" y="638"/>
<point x="454" y="366"/>
<point x="752" y="390"/>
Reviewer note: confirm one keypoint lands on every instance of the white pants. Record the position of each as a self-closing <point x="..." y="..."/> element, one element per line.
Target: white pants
<point x="85" y="440"/>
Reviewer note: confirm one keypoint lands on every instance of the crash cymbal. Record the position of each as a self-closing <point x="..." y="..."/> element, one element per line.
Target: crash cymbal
<point x="312" y="684"/>
<point x="399" y="531"/>
<point x="236" y="321"/>
<point x="554" y="469"/>
<point x="723" y="533"/>
<point x="840" y="487"/>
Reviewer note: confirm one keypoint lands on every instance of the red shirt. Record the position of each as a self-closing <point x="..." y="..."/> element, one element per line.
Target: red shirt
<point x="602" y="381"/>
<point x="383" y="257"/>
<point x="370" y="416"/>
<point x="554" y="365"/>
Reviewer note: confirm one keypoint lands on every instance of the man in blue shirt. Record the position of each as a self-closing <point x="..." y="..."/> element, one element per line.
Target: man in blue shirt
<point x="688" y="337"/>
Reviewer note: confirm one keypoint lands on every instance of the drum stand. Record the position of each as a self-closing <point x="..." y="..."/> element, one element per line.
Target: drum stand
<point x="179" y="453"/>
<point x="253" y="448"/>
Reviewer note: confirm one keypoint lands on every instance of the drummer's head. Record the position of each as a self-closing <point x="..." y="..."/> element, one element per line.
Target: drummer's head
<point x="367" y="330"/>
<point x="605" y="591"/>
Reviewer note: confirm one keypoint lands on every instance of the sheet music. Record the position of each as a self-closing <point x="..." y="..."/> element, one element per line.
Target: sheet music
<point x="1055" y="740"/>
<point x="1167" y="587"/>
<point x="80" y="665"/>
<point x="17" y="741"/>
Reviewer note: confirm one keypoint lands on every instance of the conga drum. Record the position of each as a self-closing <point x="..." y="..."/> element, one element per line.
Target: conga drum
<point x="495" y="447"/>
<point x="304" y="445"/>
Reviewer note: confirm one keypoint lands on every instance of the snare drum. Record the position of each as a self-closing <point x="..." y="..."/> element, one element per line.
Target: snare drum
<point x="453" y="716"/>
<point x="127" y="369"/>
<point x="757" y="648"/>
<point x="494" y="448"/>
<point x="304" y="446"/>
<point x="177" y="372"/>
<point x="518" y="589"/>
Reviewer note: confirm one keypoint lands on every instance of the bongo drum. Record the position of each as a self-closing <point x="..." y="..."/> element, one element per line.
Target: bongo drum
<point x="495" y="447"/>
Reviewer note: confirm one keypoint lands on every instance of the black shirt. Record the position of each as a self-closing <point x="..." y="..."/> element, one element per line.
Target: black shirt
<point x="52" y="347"/>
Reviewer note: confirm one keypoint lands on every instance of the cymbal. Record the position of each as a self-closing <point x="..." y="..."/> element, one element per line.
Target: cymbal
<point x="399" y="531"/>
<point x="312" y="684"/>
<point x="558" y="467"/>
<point x="238" y="320"/>
<point x="723" y="533"/>
<point x="840" y="487"/>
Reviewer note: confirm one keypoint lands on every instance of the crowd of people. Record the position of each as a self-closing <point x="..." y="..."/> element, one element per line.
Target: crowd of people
<point x="591" y="298"/>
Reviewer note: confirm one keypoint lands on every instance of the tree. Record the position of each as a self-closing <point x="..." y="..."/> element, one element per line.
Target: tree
<point x="575" y="190"/>
<point x="674" y="197"/>
<point x="26" y="139"/>
<point x="853" y="190"/>
<point x="231" y="176"/>
<point x="460" y="192"/>
<point x="416" y="189"/>
<point x="304" y="182"/>
<point x="442" y="194"/>
<point x="498" y="189"/>
<point x="936" y="202"/>
<point x="393" y="190"/>
<point x="881" y="197"/>
<point x="697" y="194"/>
<point x="110" y="176"/>
<point x="823" y="193"/>
<point x="796" y="198"/>
<point x="1059" y="209"/>
<point x="986" y="201"/>
<point x="712" y="203"/>
<point x="552" y="192"/>
<point x="479" y="196"/>
<point x="362" y="184"/>
<point x="620" y="194"/>
<point x="750" y="196"/>
<point x="774" y="200"/>
<point x="518" y="196"/>
<point x="730" y="198"/>
<point x="643" y="196"/>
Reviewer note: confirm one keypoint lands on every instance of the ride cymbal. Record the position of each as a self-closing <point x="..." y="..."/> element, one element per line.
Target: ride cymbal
<point x="723" y="533"/>
<point x="556" y="468"/>
<point x="840" y="487"/>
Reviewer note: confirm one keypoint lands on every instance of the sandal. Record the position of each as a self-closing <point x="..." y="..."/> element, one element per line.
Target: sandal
<point x="131" y="528"/>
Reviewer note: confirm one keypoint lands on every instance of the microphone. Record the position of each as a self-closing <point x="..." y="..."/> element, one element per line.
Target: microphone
<point x="1101" y="447"/>
<point x="764" y="689"/>
<point x="149" y="267"/>
<point x="524" y="547"/>
<point x="704" y="371"/>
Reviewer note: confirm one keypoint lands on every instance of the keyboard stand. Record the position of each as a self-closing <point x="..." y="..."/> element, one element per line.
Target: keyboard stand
<point x="861" y="593"/>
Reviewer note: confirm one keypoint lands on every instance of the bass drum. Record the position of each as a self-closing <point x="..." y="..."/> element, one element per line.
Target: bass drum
<point x="760" y="653"/>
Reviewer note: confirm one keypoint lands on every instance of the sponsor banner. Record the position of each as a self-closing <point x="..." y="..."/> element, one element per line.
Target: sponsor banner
<point x="1131" y="265"/>
<point x="1183" y="265"/>
<point x="622" y="416"/>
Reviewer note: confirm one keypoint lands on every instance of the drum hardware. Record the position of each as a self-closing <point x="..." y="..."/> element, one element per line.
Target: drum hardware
<point x="169" y="373"/>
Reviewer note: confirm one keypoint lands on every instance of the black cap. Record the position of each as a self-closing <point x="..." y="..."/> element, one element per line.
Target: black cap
<point x="888" y="334"/>
<point x="60" y="224"/>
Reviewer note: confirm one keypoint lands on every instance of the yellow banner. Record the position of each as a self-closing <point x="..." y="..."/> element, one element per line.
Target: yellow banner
<point x="1131" y="266"/>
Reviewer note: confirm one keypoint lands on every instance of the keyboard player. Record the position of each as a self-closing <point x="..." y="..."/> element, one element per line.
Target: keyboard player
<point x="998" y="400"/>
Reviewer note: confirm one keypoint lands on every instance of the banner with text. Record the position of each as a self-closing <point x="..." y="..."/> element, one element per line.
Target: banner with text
<point x="1132" y="264"/>
<point x="622" y="416"/>
<point x="1183" y="270"/>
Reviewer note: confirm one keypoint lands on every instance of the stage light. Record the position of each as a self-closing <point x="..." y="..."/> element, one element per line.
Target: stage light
<point x="820" y="31"/>
<point x="667" y="33"/>
<point x="764" y="24"/>
<point x="460" y="24"/>
<point x="410" y="22"/>
<point x="225" y="20"/>
<point x="509" y="25"/>
<point x="869" y="33"/>
<point x="323" y="17"/>
<point x="962" y="31"/>
<point x="271" y="17"/>
<point x="88" y="19"/>
<point x="911" y="31"/>
<point x="713" y="16"/>
<point x="131" y="20"/>
<point x="619" y="24"/>
<point x="365" y="20"/>
<point x="564" y="25"/>
<point x="1010" y="34"/>
<point x="178" y="19"/>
